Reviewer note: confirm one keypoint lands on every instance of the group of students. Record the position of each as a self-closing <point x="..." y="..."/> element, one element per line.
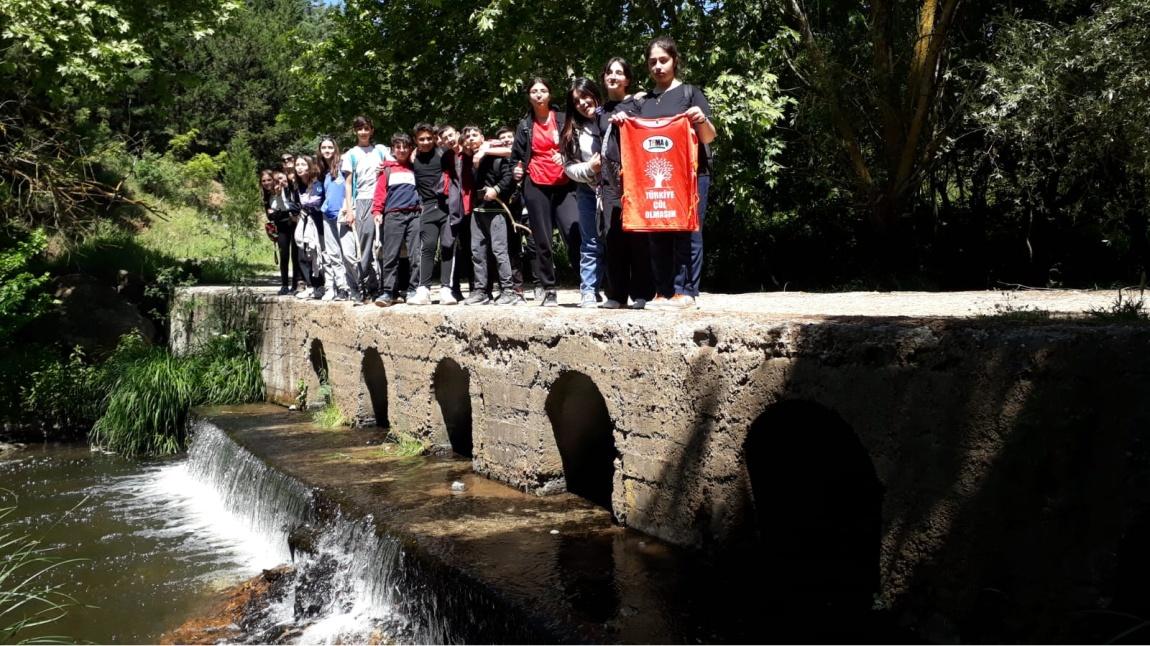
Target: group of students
<point x="367" y="225"/>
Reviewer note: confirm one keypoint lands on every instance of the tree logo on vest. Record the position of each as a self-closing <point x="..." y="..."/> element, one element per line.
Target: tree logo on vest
<point x="659" y="170"/>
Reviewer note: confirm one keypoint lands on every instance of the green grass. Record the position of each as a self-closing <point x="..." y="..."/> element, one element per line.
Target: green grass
<point x="328" y="417"/>
<point x="1123" y="310"/>
<point x="192" y="242"/>
<point x="402" y="445"/>
<point x="1021" y="313"/>
<point x="27" y="600"/>
<point x="151" y="392"/>
<point x="184" y="232"/>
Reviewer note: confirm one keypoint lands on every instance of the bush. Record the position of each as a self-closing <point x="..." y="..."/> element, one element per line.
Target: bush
<point x="161" y="176"/>
<point x="65" y="394"/>
<point x="200" y="170"/>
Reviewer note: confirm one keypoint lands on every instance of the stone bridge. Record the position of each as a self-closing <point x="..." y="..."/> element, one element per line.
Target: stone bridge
<point x="965" y="469"/>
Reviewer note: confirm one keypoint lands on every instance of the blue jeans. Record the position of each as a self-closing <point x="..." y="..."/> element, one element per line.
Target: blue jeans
<point x="590" y="246"/>
<point x="677" y="258"/>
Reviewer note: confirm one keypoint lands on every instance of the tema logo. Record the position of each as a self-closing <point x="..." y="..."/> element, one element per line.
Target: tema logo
<point x="657" y="144"/>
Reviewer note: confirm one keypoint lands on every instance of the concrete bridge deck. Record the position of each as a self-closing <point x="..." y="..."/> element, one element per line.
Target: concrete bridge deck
<point x="956" y="464"/>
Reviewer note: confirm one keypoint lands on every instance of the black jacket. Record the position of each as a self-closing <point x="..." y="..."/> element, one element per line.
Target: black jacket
<point x="521" y="148"/>
<point x="496" y="173"/>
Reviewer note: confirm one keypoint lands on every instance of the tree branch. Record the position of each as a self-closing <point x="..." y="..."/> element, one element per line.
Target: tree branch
<point x="826" y="87"/>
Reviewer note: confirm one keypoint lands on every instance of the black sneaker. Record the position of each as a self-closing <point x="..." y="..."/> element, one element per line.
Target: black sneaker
<point x="550" y="299"/>
<point x="477" y="298"/>
<point x="284" y="291"/>
<point x="509" y="297"/>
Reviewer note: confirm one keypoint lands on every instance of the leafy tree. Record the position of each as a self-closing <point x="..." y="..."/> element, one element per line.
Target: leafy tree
<point x="1066" y="115"/>
<point x="62" y="62"/>
<point x="877" y="72"/>
<point x="467" y="62"/>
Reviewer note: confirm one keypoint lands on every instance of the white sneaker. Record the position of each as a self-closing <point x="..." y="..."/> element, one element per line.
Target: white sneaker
<point x="446" y="297"/>
<point x="329" y="295"/>
<point x="681" y="302"/>
<point x="422" y="297"/>
<point x="610" y="304"/>
<point x="588" y="300"/>
<point x="303" y="293"/>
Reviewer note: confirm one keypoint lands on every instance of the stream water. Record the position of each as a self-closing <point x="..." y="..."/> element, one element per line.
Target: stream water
<point x="155" y="545"/>
<point x="382" y="549"/>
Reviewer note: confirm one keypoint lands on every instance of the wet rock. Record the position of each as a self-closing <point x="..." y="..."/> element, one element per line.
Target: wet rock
<point x="239" y="615"/>
<point x="302" y="540"/>
<point x="313" y="590"/>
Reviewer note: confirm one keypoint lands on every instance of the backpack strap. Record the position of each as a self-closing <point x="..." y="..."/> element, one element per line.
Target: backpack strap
<point x="354" y="190"/>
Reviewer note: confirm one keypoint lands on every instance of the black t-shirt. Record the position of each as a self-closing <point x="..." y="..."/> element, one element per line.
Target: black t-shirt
<point x="429" y="169"/>
<point x="675" y="101"/>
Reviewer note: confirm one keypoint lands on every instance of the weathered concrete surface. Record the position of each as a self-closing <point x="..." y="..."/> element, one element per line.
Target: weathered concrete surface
<point x="1010" y="455"/>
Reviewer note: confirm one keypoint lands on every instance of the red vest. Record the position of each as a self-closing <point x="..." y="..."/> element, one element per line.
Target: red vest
<point x="660" y="174"/>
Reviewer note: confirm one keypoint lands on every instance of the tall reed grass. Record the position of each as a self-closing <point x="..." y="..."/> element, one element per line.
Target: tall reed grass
<point x="27" y="599"/>
<point x="153" y="390"/>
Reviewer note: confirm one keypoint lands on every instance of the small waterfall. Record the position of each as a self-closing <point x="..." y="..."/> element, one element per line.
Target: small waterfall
<point x="271" y="502"/>
<point x="352" y="581"/>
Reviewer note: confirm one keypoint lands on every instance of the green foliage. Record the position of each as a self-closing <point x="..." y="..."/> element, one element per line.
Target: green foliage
<point x="201" y="169"/>
<point x="65" y="394"/>
<point x="151" y="392"/>
<point x="26" y="601"/>
<point x="329" y="416"/>
<point x="161" y="176"/>
<point x="301" y="395"/>
<point x="65" y="66"/>
<point x="242" y="206"/>
<point x="402" y="445"/>
<point x="21" y="295"/>
<point x="180" y="145"/>
<point x="230" y="82"/>
<point x="1066" y="117"/>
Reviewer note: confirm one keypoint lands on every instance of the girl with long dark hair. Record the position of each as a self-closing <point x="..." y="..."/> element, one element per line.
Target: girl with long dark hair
<point x="283" y="210"/>
<point x="308" y="235"/>
<point x="581" y="146"/>
<point x="339" y="255"/>
<point x="548" y="193"/>
<point x="627" y="253"/>
<point x="677" y="258"/>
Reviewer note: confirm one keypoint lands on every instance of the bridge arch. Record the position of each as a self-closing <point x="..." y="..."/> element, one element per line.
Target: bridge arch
<point x="817" y="505"/>
<point x="585" y="436"/>
<point x="451" y="384"/>
<point x="375" y="382"/>
<point x="317" y="357"/>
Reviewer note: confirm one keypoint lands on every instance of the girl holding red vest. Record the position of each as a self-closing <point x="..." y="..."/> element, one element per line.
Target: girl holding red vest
<point x="549" y="195"/>
<point x="676" y="258"/>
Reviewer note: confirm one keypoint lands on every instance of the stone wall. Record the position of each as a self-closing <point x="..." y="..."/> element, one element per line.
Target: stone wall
<point x="1009" y="458"/>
